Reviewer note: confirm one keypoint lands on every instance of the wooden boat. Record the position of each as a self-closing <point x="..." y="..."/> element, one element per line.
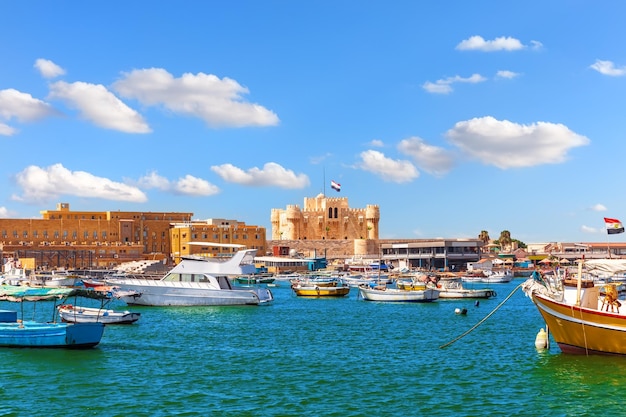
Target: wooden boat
<point x="383" y="293"/>
<point x="579" y="317"/>
<point x="198" y="281"/>
<point x="55" y="279"/>
<point x="498" y="277"/>
<point x="453" y="289"/>
<point x="308" y="290"/>
<point x="76" y="314"/>
<point x="252" y="280"/>
<point x="475" y="276"/>
<point x="21" y="333"/>
<point x="92" y="283"/>
<point x="315" y="281"/>
<point x="410" y="285"/>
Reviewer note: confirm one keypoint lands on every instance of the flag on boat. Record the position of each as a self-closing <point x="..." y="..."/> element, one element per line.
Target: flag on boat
<point x="336" y="186"/>
<point x="613" y="226"/>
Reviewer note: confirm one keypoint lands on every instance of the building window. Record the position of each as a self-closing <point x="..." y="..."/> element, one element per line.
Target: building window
<point x="56" y="234"/>
<point x="25" y="234"/>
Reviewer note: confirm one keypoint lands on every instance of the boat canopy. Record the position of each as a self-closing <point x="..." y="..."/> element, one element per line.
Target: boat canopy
<point x="606" y="266"/>
<point x="18" y="293"/>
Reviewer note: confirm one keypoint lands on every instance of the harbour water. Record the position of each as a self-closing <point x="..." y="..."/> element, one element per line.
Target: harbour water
<point x="314" y="357"/>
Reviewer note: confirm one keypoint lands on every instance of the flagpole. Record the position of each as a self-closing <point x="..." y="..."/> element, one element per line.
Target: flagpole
<point x="324" y="189"/>
<point x="608" y="246"/>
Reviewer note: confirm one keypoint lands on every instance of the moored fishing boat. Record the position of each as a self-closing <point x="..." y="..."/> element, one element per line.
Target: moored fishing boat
<point x="581" y="317"/>
<point x="454" y="289"/>
<point x="254" y="279"/>
<point x="311" y="290"/>
<point x="498" y="277"/>
<point x="16" y="332"/>
<point x="77" y="314"/>
<point x="382" y="293"/>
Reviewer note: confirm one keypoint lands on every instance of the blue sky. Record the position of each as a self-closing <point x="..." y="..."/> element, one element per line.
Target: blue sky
<point x="454" y="117"/>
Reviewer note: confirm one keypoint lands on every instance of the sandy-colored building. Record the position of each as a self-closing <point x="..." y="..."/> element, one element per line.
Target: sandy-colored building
<point x="325" y="218"/>
<point x="215" y="237"/>
<point x="64" y="238"/>
<point x="88" y="239"/>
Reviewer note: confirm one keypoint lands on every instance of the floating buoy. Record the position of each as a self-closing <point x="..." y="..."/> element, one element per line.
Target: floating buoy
<point x="541" y="341"/>
<point x="460" y="311"/>
<point x="477" y="303"/>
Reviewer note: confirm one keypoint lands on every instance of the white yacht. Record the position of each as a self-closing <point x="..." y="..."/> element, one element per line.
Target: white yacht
<point x="198" y="281"/>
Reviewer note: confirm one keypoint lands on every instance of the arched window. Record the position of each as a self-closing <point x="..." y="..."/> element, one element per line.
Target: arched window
<point x="336" y="213"/>
<point x="330" y="213"/>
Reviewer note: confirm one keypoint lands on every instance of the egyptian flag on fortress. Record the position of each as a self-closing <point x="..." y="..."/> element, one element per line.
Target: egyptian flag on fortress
<point x="613" y="226"/>
<point x="337" y="187"/>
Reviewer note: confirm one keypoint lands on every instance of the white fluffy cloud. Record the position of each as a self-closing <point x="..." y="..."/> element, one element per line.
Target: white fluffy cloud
<point x="272" y="174"/>
<point x="386" y="168"/>
<point x="510" y="145"/>
<point x="48" y="69"/>
<point x="608" y="68"/>
<point x="22" y="106"/>
<point x="507" y="74"/>
<point x="216" y="101"/>
<point x="478" y="43"/>
<point x="432" y="159"/>
<point x="187" y="185"/>
<point x="98" y="105"/>
<point x="444" y="85"/>
<point x="40" y="185"/>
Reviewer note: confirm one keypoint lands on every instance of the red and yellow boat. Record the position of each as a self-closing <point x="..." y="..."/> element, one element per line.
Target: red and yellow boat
<point x="319" y="291"/>
<point x="582" y="317"/>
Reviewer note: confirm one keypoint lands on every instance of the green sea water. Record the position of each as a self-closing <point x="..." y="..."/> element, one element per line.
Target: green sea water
<point x="316" y="357"/>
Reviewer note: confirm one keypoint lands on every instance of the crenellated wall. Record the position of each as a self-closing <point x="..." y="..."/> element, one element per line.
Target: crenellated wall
<point x="325" y="218"/>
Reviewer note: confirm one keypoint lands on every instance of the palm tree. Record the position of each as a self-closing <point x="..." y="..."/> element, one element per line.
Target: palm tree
<point x="505" y="239"/>
<point x="484" y="236"/>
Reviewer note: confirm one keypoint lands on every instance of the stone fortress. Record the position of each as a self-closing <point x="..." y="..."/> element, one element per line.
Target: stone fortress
<point x="327" y="226"/>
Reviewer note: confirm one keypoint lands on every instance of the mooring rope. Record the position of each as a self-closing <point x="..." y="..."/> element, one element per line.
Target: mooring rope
<point x="484" y="319"/>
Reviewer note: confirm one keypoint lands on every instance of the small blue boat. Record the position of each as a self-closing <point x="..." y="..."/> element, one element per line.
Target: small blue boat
<point x="23" y="333"/>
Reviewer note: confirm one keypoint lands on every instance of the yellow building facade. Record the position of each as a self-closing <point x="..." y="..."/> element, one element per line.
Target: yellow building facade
<point x="215" y="237"/>
<point x="324" y="218"/>
<point x="87" y="239"/>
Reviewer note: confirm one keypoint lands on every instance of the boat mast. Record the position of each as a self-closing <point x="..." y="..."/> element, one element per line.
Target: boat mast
<point x="580" y="280"/>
